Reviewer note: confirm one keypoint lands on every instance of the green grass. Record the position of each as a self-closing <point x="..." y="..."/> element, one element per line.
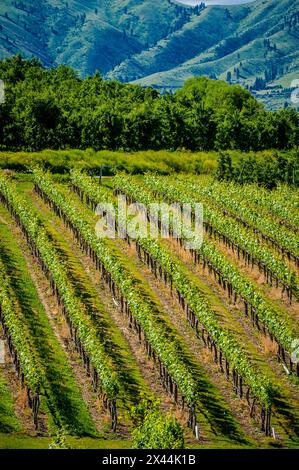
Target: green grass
<point x="8" y="420"/>
<point x="19" y="441"/>
<point x="163" y="162"/>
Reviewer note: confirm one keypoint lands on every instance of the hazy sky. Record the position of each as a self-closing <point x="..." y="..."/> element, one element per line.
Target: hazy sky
<point x="215" y="2"/>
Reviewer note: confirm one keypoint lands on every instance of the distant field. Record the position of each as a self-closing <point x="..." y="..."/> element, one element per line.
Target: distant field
<point x="96" y="324"/>
<point x="163" y="162"/>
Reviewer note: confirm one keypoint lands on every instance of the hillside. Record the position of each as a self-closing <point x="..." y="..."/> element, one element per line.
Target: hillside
<point x="161" y="42"/>
<point x="87" y="35"/>
<point x="257" y="48"/>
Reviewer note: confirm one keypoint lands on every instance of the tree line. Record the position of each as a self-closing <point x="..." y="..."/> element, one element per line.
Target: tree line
<point x="55" y="108"/>
<point x="269" y="172"/>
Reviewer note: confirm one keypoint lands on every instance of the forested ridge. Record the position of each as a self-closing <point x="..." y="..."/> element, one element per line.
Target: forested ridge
<point x="54" y="108"/>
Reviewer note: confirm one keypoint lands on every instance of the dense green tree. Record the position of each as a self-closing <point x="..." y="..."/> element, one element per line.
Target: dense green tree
<point x="225" y="170"/>
<point x="277" y="168"/>
<point x="56" y="109"/>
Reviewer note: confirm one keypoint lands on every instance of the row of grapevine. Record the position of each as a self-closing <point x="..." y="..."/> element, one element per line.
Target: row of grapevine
<point x="227" y="352"/>
<point x="274" y="321"/>
<point x="86" y="187"/>
<point x="279" y="203"/>
<point x="82" y="329"/>
<point x="197" y="309"/>
<point x="234" y="236"/>
<point x="271" y="231"/>
<point x="20" y="347"/>
<point x="177" y="376"/>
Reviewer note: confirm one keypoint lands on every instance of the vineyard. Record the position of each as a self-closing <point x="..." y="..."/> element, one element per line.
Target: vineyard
<point x="94" y="326"/>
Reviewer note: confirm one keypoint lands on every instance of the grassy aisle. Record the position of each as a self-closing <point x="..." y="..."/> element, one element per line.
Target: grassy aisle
<point x="21" y="441"/>
<point x="9" y="422"/>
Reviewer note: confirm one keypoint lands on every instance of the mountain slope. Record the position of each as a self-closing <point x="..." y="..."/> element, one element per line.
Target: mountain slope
<point x="263" y="48"/>
<point x="86" y="34"/>
<point x="243" y="26"/>
<point x="195" y="37"/>
<point x="161" y="42"/>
